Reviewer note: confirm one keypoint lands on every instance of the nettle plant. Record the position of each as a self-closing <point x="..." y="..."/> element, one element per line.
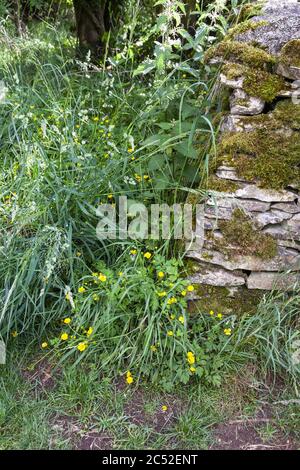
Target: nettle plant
<point x="183" y="102"/>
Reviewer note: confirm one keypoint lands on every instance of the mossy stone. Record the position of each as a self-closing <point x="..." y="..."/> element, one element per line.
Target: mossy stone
<point x="242" y="53"/>
<point x="222" y="300"/>
<point x="258" y="83"/>
<point x="249" y="10"/>
<point x="290" y="53"/>
<point x="248" y="25"/>
<point x="242" y="233"/>
<point x="269" y="154"/>
<point x="221" y="185"/>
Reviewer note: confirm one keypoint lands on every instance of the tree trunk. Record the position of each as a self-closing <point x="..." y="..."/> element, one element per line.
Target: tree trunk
<point x="90" y="24"/>
<point x="189" y="20"/>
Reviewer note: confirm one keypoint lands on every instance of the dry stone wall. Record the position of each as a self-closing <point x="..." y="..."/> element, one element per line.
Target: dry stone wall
<point x="252" y="214"/>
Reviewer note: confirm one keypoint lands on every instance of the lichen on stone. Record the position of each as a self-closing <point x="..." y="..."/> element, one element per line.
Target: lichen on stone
<point x="241" y="53"/>
<point x="290" y="53"/>
<point x="241" y="237"/>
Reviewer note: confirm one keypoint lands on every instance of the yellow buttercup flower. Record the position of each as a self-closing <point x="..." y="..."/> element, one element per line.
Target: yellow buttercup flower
<point x="102" y="277"/>
<point x="81" y="290"/>
<point x="192" y="369"/>
<point x="164" y="408"/>
<point x="96" y="297"/>
<point x="172" y="300"/>
<point x="173" y="316"/>
<point x="181" y="319"/>
<point x="110" y="196"/>
<point x="67" y="321"/>
<point x="64" y="336"/>
<point x="190" y="358"/>
<point x="160" y="274"/>
<point x="153" y="348"/>
<point x="147" y="255"/>
<point x="130" y="150"/>
<point x="82" y="347"/>
<point x="183" y="293"/>
<point x="120" y="273"/>
<point x="162" y="294"/>
<point x="44" y="345"/>
<point x="170" y="333"/>
<point x="190" y="288"/>
<point x="133" y="252"/>
<point x="227" y="331"/>
<point x="14" y="334"/>
<point x="89" y="331"/>
<point x="211" y="313"/>
<point x="220" y="316"/>
<point x="129" y="378"/>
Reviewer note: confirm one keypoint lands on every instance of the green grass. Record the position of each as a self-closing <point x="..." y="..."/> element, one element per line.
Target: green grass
<point x="74" y="135"/>
<point x="81" y="403"/>
<point x="71" y="137"/>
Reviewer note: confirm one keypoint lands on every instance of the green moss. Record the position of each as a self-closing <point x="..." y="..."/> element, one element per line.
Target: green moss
<point x="268" y="155"/>
<point x="221" y="185"/>
<point x="257" y="82"/>
<point x="288" y="114"/>
<point x="243" y="27"/>
<point x="242" y="102"/>
<point x="263" y="85"/>
<point x="249" y="10"/>
<point x="242" y="53"/>
<point x="233" y="71"/>
<point x="242" y="233"/>
<point x="191" y="267"/>
<point x="290" y="53"/>
<point x="221" y="300"/>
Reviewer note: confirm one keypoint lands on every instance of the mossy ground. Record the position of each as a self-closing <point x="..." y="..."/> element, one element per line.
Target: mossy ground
<point x="266" y="155"/>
